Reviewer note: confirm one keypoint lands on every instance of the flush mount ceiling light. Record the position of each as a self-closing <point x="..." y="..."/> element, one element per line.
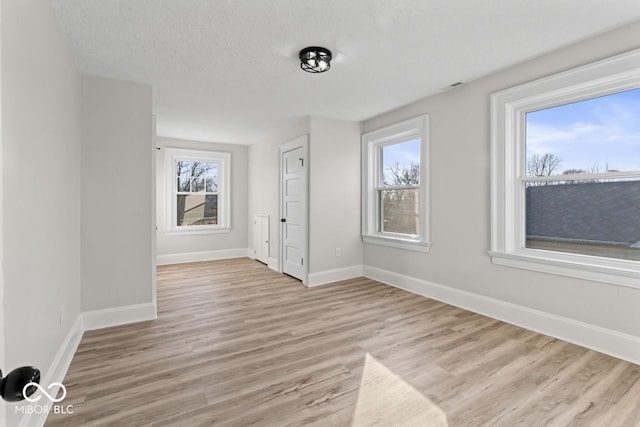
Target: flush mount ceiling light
<point x="315" y="59"/>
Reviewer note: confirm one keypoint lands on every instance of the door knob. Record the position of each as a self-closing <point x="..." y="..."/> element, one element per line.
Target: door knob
<point x="13" y="384"/>
<point x="283" y="219"/>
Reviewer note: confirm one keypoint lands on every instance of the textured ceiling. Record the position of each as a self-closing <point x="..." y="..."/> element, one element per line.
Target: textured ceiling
<point x="227" y="70"/>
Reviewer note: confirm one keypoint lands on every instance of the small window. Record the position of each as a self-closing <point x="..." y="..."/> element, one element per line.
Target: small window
<point x="395" y="186"/>
<point x="197" y="191"/>
<point x="399" y="188"/>
<point x="566" y="173"/>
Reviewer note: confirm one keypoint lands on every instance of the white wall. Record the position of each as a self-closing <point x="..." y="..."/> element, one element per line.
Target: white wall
<point x="263" y="182"/>
<point x="41" y="186"/>
<point x="460" y="201"/>
<point x="117" y="221"/>
<point x="334" y="195"/>
<point x="205" y="245"/>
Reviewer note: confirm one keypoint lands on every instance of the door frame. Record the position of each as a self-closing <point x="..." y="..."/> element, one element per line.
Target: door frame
<point x="299" y="142"/>
<point x="3" y="412"/>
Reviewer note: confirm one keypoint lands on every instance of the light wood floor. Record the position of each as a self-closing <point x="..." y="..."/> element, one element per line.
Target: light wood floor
<point x="237" y="344"/>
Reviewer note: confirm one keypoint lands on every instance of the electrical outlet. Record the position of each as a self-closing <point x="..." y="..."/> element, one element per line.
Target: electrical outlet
<point x="61" y="313"/>
<point x="338" y="252"/>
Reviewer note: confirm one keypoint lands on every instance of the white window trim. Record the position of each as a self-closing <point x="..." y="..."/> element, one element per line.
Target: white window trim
<point x="371" y="141"/>
<point x="172" y="155"/>
<point x="508" y="171"/>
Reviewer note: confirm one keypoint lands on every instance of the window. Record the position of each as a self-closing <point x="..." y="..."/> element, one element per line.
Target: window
<point x="395" y="185"/>
<point x="197" y="191"/>
<point x="566" y="173"/>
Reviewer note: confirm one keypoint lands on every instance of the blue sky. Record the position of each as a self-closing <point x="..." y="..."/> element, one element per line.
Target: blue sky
<point x="404" y="153"/>
<point x="600" y="132"/>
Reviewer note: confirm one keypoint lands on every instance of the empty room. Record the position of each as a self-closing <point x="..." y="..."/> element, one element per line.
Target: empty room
<point x="320" y="213"/>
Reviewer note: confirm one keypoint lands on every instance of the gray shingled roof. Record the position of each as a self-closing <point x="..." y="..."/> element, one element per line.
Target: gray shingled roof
<point x="598" y="212"/>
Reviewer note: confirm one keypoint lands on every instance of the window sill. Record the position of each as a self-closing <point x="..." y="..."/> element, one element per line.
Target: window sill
<point x="186" y="232"/>
<point x="407" y="244"/>
<point x="612" y="271"/>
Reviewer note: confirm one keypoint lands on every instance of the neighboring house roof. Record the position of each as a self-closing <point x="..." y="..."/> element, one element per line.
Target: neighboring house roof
<point x="596" y="212"/>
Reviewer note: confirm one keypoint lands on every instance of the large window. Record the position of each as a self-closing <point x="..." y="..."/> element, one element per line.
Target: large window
<point x="582" y="192"/>
<point x="395" y="186"/>
<point x="566" y="173"/>
<point x="197" y="191"/>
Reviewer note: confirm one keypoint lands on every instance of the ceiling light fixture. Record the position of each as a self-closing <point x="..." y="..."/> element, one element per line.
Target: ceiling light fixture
<point x="315" y="59"/>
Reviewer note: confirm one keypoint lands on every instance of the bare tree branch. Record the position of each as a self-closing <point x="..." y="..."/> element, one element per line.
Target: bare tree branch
<point x="542" y="165"/>
<point x="399" y="175"/>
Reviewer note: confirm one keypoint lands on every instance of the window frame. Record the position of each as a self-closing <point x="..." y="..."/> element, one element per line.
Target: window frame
<point x="508" y="168"/>
<point x="223" y="161"/>
<point x="372" y="144"/>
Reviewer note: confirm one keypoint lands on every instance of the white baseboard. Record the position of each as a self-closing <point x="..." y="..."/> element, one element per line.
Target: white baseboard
<point x="98" y="319"/>
<point x="608" y="341"/>
<point x="86" y="321"/>
<point x="201" y="256"/>
<point x="56" y="372"/>
<point x="272" y="263"/>
<point x="335" y="275"/>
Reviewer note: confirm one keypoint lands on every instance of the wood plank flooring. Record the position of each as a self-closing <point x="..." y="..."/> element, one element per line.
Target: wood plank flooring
<point x="236" y="344"/>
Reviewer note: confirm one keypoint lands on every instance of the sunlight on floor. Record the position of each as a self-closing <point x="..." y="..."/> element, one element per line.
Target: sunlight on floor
<point x="385" y="399"/>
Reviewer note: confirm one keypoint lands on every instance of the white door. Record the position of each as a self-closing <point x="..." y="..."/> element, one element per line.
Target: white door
<point x="293" y="208"/>
<point x="261" y="238"/>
